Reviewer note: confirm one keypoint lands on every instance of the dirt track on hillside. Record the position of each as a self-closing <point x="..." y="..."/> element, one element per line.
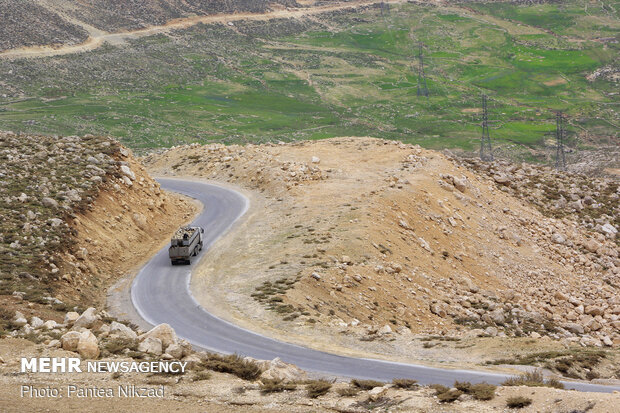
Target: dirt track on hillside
<point x="96" y="40"/>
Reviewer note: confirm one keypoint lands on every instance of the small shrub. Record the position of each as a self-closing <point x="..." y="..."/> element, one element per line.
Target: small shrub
<point x="439" y="388"/>
<point x="317" y="388"/>
<point x="483" y="391"/>
<point x="518" y="402"/>
<point x="366" y="384"/>
<point x="555" y="383"/>
<point x="533" y="379"/>
<point x="117" y="345"/>
<point x="463" y="386"/>
<point x="234" y="364"/>
<point x="408" y="384"/>
<point x="348" y="391"/>
<point x="201" y="375"/>
<point x="449" y="396"/>
<point x="276" y="386"/>
<point x="445" y="394"/>
<point x="479" y="391"/>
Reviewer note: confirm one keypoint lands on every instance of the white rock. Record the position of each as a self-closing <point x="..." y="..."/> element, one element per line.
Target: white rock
<point x="386" y="329"/>
<point x="122" y="330"/>
<point x="316" y="159"/>
<point x="162" y="332"/>
<point x="175" y="350"/>
<point x="125" y="170"/>
<point x="49" y="202"/>
<point x="609" y="230"/>
<point x="88" y="346"/>
<point x="151" y="345"/>
<point x="70" y="317"/>
<point x="87" y="319"/>
<point x="70" y="340"/>
<point x="50" y="325"/>
<point x="19" y="320"/>
<point x="276" y="369"/>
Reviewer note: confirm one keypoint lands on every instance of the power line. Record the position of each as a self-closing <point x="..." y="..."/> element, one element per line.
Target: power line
<point x="486" y="152"/>
<point x="385" y="8"/>
<point x="560" y="158"/>
<point x="422" y="88"/>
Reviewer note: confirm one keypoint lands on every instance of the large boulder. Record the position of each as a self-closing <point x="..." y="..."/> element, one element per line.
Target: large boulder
<point x="574" y="328"/>
<point x="151" y="345"/>
<point x="88" y="347"/>
<point x="498" y="316"/>
<point x="87" y="319"/>
<point x="19" y="320"/>
<point x="276" y="369"/>
<point x="36" y="322"/>
<point x="122" y="330"/>
<point x="49" y="202"/>
<point x="70" y="317"/>
<point x="162" y="332"/>
<point x="175" y="350"/>
<point x="50" y="325"/>
<point x="69" y="341"/>
<point x="125" y="170"/>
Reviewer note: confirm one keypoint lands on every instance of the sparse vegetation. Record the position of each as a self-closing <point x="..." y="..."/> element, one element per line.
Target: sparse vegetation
<point x="233" y="364"/>
<point x="252" y="80"/>
<point x="276" y="386"/>
<point x="46" y="180"/>
<point x="408" y="384"/>
<point x="533" y="379"/>
<point x="201" y="375"/>
<point x="479" y="391"/>
<point x="316" y="388"/>
<point x="349" y="391"/>
<point x="518" y="402"/>
<point x="366" y="384"/>
<point x="119" y="344"/>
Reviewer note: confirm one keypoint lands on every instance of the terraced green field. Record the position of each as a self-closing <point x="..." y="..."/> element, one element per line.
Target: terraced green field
<point x="337" y="75"/>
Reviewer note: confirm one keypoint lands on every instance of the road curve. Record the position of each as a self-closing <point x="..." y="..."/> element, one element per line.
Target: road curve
<point x="160" y="294"/>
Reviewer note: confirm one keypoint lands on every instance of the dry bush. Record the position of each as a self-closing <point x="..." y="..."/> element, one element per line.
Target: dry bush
<point x="317" y="388"/>
<point x="276" y="386"/>
<point x="518" y="402"/>
<point x="479" y="391"/>
<point x="348" y="391"/>
<point x="533" y="379"/>
<point x="233" y="364"/>
<point x="366" y="384"/>
<point x="407" y="384"/>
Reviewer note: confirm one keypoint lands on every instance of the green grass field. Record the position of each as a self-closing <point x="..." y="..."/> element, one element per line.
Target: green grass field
<point x="344" y="75"/>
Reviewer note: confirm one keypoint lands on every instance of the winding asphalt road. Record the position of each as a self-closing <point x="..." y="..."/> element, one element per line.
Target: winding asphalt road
<point x="160" y="293"/>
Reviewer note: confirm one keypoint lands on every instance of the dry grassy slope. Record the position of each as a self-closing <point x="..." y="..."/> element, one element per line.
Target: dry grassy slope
<point x="220" y="392"/>
<point x="126" y="225"/>
<point x="394" y="243"/>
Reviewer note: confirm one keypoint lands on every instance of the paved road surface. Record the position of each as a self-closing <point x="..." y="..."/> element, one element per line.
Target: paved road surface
<point x="160" y="294"/>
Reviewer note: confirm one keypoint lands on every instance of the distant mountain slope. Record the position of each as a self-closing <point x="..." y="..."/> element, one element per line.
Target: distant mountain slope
<point x="26" y="23"/>
<point x="52" y="22"/>
<point x="112" y="15"/>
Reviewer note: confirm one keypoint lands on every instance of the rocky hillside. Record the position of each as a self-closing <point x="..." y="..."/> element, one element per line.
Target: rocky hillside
<point x="55" y="22"/>
<point x="592" y="202"/>
<point x="27" y="23"/>
<point x="68" y="205"/>
<point x="212" y="382"/>
<point x="376" y="240"/>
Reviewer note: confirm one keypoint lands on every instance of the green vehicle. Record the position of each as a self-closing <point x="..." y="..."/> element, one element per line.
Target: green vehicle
<point x="185" y="243"/>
